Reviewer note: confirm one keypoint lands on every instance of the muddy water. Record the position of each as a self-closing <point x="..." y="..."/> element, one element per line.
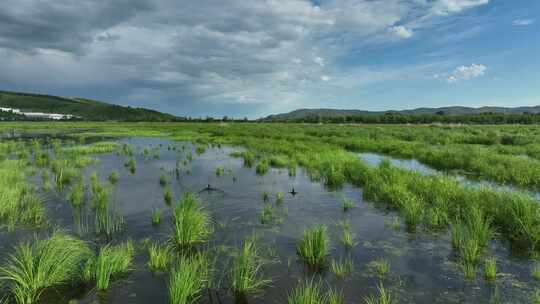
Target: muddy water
<point x="423" y="266"/>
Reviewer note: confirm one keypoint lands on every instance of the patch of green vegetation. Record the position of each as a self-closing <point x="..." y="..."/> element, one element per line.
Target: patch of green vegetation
<point x="314" y="247"/>
<point x="111" y="262"/>
<point x="246" y="273"/>
<point x="43" y="264"/>
<point x="160" y="257"/>
<point x="188" y="279"/>
<point x="311" y="292"/>
<point x="381" y="267"/>
<point x="191" y="224"/>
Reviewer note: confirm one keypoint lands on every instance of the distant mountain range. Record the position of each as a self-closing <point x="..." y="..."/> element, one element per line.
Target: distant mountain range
<point x="453" y="111"/>
<point x="79" y="108"/>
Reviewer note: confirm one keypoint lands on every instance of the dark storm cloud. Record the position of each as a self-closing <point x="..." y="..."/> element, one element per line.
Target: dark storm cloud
<point x="187" y="56"/>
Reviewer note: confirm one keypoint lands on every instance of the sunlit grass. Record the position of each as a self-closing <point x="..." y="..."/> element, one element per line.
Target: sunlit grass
<point x="43" y="264"/>
<point x="246" y="273"/>
<point x="188" y="279"/>
<point x="314" y="247"/>
<point x="191" y="224"/>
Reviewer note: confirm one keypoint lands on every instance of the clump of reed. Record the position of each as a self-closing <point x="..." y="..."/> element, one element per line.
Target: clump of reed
<point x="347" y="237"/>
<point x="311" y="292"/>
<point x="191" y="224"/>
<point x="246" y="273"/>
<point x="342" y="268"/>
<point x="19" y="202"/>
<point x="42" y="264"/>
<point x="168" y="196"/>
<point x="381" y="267"/>
<point x="189" y="278"/>
<point x="490" y="269"/>
<point x="535" y="272"/>
<point x="160" y="256"/>
<point x="200" y="149"/>
<point x="131" y="165"/>
<point x="156" y="217"/>
<point x="113" y="177"/>
<point x="470" y="236"/>
<point x="347" y="204"/>
<point x="268" y="214"/>
<point x="111" y="262"/>
<point x="220" y="170"/>
<point x="279" y="197"/>
<point x="314" y="247"/>
<point x="265" y="196"/>
<point x="384" y="297"/>
<point x="162" y="180"/>
<point x="262" y="167"/>
<point x="76" y="196"/>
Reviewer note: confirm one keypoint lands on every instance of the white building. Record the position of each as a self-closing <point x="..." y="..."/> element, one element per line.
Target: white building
<point x="55" y="116"/>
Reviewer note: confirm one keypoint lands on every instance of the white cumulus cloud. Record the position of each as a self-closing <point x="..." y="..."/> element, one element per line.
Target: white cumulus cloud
<point x="463" y="72"/>
<point x="523" y="22"/>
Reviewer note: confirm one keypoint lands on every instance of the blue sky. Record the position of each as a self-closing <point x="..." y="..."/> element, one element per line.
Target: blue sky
<point x="254" y="58"/>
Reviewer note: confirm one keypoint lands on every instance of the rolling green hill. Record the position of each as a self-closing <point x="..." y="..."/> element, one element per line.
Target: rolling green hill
<point x="309" y="114"/>
<point x="84" y="109"/>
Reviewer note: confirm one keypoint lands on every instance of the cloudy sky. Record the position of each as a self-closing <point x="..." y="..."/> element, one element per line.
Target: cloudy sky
<point x="257" y="57"/>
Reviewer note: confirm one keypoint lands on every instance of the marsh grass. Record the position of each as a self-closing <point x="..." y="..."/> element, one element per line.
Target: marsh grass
<point x="347" y="204"/>
<point x="490" y="269"/>
<point x="156" y="216"/>
<point x="191" y="224"/>
<point x="247" y="269"/>
<point x="160" y="257"/>
<point x="220" y="170"/>
<point x="112" y="262"/>
<point x="535" y="272"/>
<point x="43" y="264"/>
<point x="168" y="196"/>
<point x="279" y="197"/>
<point x="384" y="297"/>
<point x="162" y="180"/>
<point x="113" y="177"/>
<point x="342" y="268"/>
<point x="268" y="214"/>
<point x="311" y="292"/>
<point x="314" y="247"/>
<point x="347" y="237"/>
<point x="76" y="196"/>
<point x="188" y="279"/>
<point x="131" y="165"/>
<point x="265" y="196"/>
<point x="262" y="167"/>
<point x="381" y="267"/>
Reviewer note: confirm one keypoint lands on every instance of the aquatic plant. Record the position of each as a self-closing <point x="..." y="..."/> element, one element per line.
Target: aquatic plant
<point x="188" y="279"/>
<point x="200" y="150"/>
<point x="347" y="237"/>
<point x="469" y="270"/>
<point x="380" y="266"/>
<point x="342" y="268"/>
<point x="268" y="214"/>
<point x="279" y="197"/>
<point x="262" y="167"/>
<point x="246" y="273"/>
<point x="160" y="257"/>
<point x="308" y="292"/>
<point x="384" y="297"/>
<point x="76" y="195"/>
<point x="490" y="269"/>
<point x="113" y="177"/>
<point x="313" y="247"/>
<point x="191" y="225"/>
<point x="168" y="196"/>
<point x="311" y="292"/>
<point x="347" y="204"/>
<point x="110" y="263"/>
<point x="156" y="216"/>
<point x="220" y="170"/>
<point x="162" y="180"/>
<point x="43" y="264"/>
<point x="265" y="196"/>
<point x="131" y="165"/>
<point x="535" y="272"/>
